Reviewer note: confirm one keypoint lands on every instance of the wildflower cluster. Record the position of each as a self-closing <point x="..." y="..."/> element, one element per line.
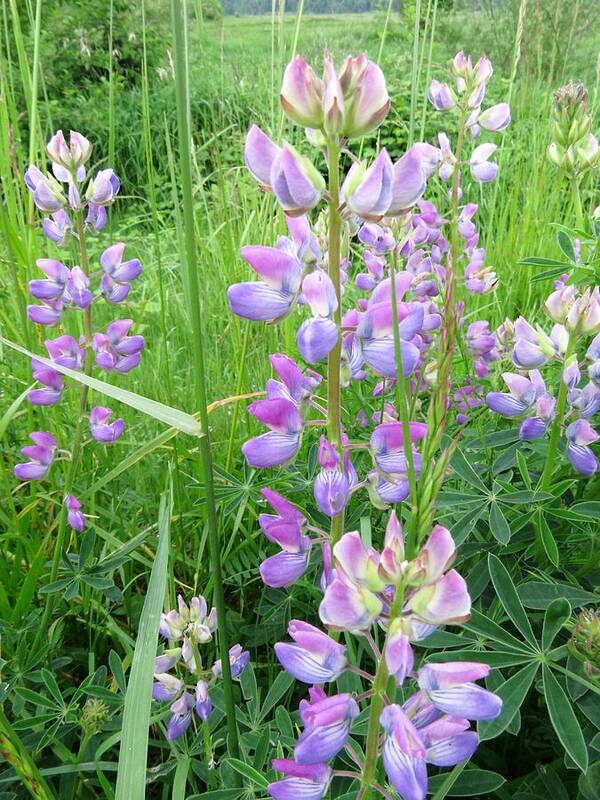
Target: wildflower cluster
<point x="185" y="628"/>
<point x="76" y="207"/>
<point x="396" y="318"/>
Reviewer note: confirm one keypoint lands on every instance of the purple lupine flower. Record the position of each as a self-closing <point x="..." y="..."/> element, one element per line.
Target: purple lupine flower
<point x="429" y="156"/>
<point x="115" y="350"/>
<point x="77" y="291"/>
<point x="296" y="385"/>
<point x="523" y="393"/>
<point x="441" y="96"/>
<point x="365" y="95"/>
<point x="451" y="689"/>
<point x="285" y="529"/>
<point x="296" y="182"/>
<point x="166" y="687"/>
<point x="375" y="329"/>
<point x="66" y="351"/>
<point x="101" y="429"/>
<point x="532" y="346"/>
<point x="447" y="158"/>
<point x="389" y="481"/>
<point x="313" y="657"/>
<point x="368" y="192"/>
<point x="409" y="179"/>
<point x="375" y="266"/>
<point x="120" y="271"/>
<point x="481" y="345"/>
<point x="46" y="190"/>
<point x="496" y="118"/>
<point x="399" y="655"/>
<point x="70" y="156"/>
<point x="52" y="382"/>
<point x="301" y="94"/>
<point x="58" y="226"/>
<point x="571" y="374"/>
<point x="273" y="297"/>
<point x="75" y="516"/>
<point x="53" y="287"/>
<point x="168" y="658"/>
<point x="103" y="189"/>
<point x="580" y="435"/>
<point x="259" y="154"/>
<point x="327" y="722"/>
<point x="584" y="314"/>
<point x="586" y="400"/>
<point x="483" y="170"/>
<point x="317" y="336"/>
<point x="49" y="313"/>
<point x="379" y="240"/>
<point x="203" y="703"/>
<point x="306" y="781"/>
<point x="281" y="444"/>
<point x="181" y="718"/>
<point x="238" y="661"/>
<point x="331" y="487"/>
<point x="40" y="455"/>
<point x="96" y="217"/>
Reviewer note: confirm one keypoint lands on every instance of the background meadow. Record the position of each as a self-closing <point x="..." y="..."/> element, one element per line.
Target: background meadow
<point x="107" y="69"/>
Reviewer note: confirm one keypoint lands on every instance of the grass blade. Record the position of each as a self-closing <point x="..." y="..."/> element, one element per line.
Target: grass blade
<point x="131" y="777"/>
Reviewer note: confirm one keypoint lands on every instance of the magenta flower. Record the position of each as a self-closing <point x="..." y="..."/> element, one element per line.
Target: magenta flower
<point x="65" y="350"/>
<point x="580" y="435"/>
<point x="295" y="384"/>
<point x="441" y="96"/>
<point x="52" y="383"/>
<point x="115" y="350"/>
<point x="75" y="516"/>
<point x="77" y="291"/>
<point x="281" y="444"/>
<point x="368" y="192"/>
<point x="451" y="689"/>
<point x="327" y="722"/>
<point x="103" y="189"/>
<point x="46" y="190"/>
<point x="273" y="297"/>
<point x="53" y="287"/>
<point x="301" y="94"/>
<point x="101" y="429"/>
<point x="118" y="274"/>
<point x="285" y="529"/>
<point x="313" y="657"/>
<point x="306" y="781"/>
<point x="40" y="455"/>
<point x="57" y="227"/>
<point x="331" y="487"/>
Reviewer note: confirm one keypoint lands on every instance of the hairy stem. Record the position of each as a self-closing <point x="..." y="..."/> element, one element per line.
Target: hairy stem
<point x="579" y="221"/>
<point x="334" y="414"/>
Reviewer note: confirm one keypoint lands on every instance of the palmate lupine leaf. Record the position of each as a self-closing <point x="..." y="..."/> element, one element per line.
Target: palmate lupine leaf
<point x="173" y="417"/>
<point x="563" y="719"/>
<point x="131" y="779"/>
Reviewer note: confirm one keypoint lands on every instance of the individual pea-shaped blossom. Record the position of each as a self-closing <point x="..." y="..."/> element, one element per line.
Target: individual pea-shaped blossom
<point x="313" y="657"/>
<point x="286" y="529"/>
<point x="101" y="429"/>
<point x="238" y="661"/>
<point x="306" y="781"/>
<point x="117" y="274"/>
<point x="52" y="385"/>
<point x="388" y="481"/>
<point x="75" y="517"/>
<point x="580" y="435"/>
<point x="533" y="347"/>
<point x="318" y="335"/>
<point x="115" y="350"/>
<point x="332" y="485"/>
<point x="40" y="455"/>
<point x="327" y="721"/>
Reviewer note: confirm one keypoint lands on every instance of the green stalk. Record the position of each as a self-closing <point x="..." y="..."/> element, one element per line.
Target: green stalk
<point x="334" y="413"/>
<point x="192" y="280"/>
<point x="561" y="405"/>
<point x="579" y="219"/>
<point x="432" y="475"/>
<point x="73" y="467"/>
<point x="402" y="390"/>
<point x="428" y="72"/>
<point x="379" y="687"/>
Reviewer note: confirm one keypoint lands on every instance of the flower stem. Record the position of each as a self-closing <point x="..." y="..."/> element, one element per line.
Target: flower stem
<point x="379" y="687"/>
<point x="334" y="418"/>
<point x="561" y="405"/>
<point x="77" y="438"/>
<point x="577" y="202"/>
<point x="431" y="479"/>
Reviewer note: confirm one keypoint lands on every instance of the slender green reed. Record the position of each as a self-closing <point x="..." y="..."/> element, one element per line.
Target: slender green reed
<point x="192" y="281"/>
<point x="414" y="74"/>
<point x="428" y="71"/>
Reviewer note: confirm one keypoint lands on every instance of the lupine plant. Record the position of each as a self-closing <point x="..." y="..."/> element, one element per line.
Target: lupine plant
<point x="397" y="329"/>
